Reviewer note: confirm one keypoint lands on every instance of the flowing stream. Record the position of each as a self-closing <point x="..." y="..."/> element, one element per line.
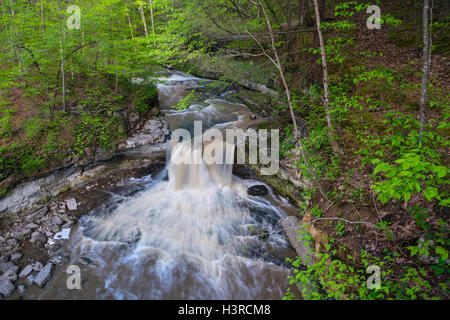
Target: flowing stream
<point x="186" y="232"/>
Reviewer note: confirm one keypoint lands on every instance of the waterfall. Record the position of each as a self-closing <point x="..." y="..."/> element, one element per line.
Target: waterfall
<point x="188" y="236"/>
<point x="192" y="172"/>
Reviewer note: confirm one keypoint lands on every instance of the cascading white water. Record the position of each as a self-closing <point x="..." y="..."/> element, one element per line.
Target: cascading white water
<point x="181" y="241"/>
<point x="192" y="172"/>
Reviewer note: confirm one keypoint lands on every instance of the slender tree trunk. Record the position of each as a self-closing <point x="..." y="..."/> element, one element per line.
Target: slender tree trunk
<point x="82" y="32"/>
<point x="426" y="62"/>
<point x="63" y="77"/>
<point x="42" y="16"/>
<point x="71" y="69"/>
<point x="116" y="84"/>
<point x="334" y="145"/>
<point x="129" y="23"/>
<point x="151" y="16"/>
<point x="144" y="21"/>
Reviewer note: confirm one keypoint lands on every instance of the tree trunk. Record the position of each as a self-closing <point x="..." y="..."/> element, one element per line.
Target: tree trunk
<point x="116" y="86"/>
<point x="129" y="23"/>
<point x="334" y="145"/>
<point x="63" y="78"/>
<point x="426" y="63"/>
<point x="151" y="16"/>
<point x="42" y="16"/>
<point x="144" y="21"/>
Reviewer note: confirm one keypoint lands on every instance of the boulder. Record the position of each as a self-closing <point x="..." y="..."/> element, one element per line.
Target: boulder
<point x="258" y="190"/>
<point x="71" y="204"/>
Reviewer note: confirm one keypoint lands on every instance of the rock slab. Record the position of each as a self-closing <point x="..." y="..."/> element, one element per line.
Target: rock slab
<point x="291" y="225"/>
<point x="44" y="275"/>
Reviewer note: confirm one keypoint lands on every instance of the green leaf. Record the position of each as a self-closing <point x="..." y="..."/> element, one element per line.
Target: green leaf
<point x="406" y="196"/>
<point x="442" y="252"/>
<point x="414" y="250"/>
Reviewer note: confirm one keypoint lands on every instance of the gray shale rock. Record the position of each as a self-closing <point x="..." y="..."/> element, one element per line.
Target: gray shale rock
<point x="37" y="266"/>
<point x="36" y="214"/>
<point x="291" y="225"/>
<point x="38" y="239"/>
<point x="6" y="266"/>
<point x="10" y="275"/>
<point x="21" y="288"/>
<point x="71" y="204"/>
<point x="6" y="287"/>
<point x="44" y="275"/>
<point x="16" y="256"/>
<point x="12" y="245"/>
<point x="26" y="271"/>
<point x="32" y="226"/>
<point x="154" y="131"/>
<point x="57" y="220"/>
<point x="20" y="232"/>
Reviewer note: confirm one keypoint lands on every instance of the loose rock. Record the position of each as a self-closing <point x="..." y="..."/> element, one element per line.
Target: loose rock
<point x="16" y="256"/>
<point x="26" y="271"/>
<point x="57" y="220"/>
<point x="10" y="275"/>
<point x="6" y="266"/>
<point x="258" y="190"/>
<point x="38" y="239"/>
<point x="71" y="204"/>
<point x="6" y="287"/>
<point x="85" y="260"/>
<point x="37" y="266"/>
<point x="20" y="232"/>
<point x="37" y="214"/>
<point x="32" y="226"/>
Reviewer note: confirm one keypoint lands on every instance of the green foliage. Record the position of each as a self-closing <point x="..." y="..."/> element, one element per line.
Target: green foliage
<point x="414" y="166"/>
<point x="146" y="97"/>
<point x="337" y="275"/>
<point x="95" y="131"/>
<point x="186" y="102"/>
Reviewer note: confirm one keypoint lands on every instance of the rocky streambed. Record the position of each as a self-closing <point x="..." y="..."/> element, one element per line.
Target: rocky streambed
<point x="32" y="234"/>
